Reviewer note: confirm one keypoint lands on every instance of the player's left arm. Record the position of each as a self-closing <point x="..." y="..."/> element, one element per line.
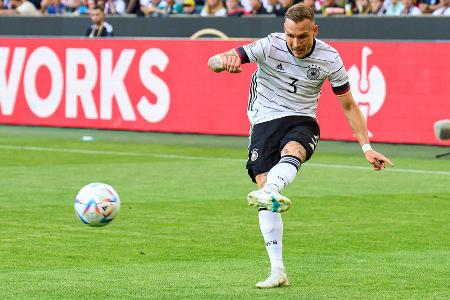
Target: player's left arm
<point x="358" y="124"/>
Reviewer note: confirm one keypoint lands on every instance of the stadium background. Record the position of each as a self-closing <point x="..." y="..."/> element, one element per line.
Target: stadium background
<point x="352" y="233"/>
<point x="400" y="61"/>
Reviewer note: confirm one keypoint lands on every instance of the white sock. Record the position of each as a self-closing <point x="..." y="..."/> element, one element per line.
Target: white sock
<point x="271" y="227"/>
<point x="282" y="173"/>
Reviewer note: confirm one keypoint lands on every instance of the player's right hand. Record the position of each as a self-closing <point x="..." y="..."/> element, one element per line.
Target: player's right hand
<point x="232" y="63"/>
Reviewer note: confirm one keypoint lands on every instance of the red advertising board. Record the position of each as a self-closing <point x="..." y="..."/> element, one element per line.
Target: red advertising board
<point x="165" y="85"/>
<point x="401" y="87"/>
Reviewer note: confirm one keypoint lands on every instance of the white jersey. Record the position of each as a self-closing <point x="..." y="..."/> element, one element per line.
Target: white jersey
<point x="284" y="85"/>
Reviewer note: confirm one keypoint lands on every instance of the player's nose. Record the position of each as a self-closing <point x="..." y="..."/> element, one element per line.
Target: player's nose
<point x="296" y="44"/>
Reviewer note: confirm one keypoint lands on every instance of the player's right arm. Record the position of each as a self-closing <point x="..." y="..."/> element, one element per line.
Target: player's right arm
<point x="232" y="60"/>
<point x="227" y="61"/>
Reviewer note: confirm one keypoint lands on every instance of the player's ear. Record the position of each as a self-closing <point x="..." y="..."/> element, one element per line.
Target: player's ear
<point x="316" y="30"/>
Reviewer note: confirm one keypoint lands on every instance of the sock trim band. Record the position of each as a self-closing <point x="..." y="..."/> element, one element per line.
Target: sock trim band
<point x="290" y="159"/>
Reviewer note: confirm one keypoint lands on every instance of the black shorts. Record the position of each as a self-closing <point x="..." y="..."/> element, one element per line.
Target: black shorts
<point x="268" y="139"/>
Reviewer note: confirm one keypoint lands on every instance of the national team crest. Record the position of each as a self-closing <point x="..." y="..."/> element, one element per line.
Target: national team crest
<point x="254" y="154"/>
<point x="313" y="73"/>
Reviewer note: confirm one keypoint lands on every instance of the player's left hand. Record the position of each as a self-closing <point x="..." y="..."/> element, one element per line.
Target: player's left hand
<point x="378" y="160"/>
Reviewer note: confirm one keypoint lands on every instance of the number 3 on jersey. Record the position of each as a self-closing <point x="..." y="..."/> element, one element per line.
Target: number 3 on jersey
<point x="294" y="80"/>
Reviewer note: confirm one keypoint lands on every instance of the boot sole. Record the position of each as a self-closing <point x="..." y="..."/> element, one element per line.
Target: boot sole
<point x="273" y="205"/>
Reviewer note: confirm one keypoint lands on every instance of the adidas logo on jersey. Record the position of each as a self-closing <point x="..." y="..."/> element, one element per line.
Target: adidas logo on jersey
<point x="280" y="67"/>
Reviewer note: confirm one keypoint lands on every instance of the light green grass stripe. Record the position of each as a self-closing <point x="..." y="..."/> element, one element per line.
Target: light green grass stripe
<point x="137" y="154"/>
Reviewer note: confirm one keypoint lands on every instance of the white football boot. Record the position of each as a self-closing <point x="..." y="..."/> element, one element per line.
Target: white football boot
<point x="270" y="200"/>
<point x="276" y="278"/>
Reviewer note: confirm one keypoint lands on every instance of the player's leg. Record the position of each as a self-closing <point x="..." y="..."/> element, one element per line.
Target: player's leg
<point x="283" y="173"/>
<point x="293" y="155"/>
<point x="296" y="147"/>
<point x="270" y="223"/>
<point x="271" y="226"/>
<point x="264" y="153"/>
<point x="304" y="131"/>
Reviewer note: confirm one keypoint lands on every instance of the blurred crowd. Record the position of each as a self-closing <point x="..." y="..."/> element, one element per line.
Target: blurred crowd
<point x="224" y="8"/>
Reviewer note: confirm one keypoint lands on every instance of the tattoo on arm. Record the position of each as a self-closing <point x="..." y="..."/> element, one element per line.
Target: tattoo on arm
<point x="215" y="62"/>
<point x="230" y="53"/>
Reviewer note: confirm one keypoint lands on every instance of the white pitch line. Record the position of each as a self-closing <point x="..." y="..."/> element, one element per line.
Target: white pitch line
<point x="137" y="154"/>
<point x="370" y="169"/>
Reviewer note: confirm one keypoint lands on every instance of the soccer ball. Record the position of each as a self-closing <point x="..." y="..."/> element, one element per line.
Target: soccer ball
<point x="97" y="204"/>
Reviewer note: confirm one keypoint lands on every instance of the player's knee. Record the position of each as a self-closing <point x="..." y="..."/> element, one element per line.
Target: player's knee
<point x="295" y="149"/>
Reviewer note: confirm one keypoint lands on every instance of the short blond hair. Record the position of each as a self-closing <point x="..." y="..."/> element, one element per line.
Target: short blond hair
<point x="299" y="12"/>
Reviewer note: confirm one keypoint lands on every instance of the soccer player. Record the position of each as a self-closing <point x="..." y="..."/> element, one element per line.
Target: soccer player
<point x="292" y="66"/>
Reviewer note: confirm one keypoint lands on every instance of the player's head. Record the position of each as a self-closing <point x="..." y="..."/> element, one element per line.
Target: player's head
<point x="97" y="15"/>
<point x="300" y="29"/>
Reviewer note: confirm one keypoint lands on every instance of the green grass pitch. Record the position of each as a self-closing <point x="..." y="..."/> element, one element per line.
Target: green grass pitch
<point x="185" y="232"/>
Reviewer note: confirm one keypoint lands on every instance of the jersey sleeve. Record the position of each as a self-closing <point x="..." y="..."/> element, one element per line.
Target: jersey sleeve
<point x="256" y="51"/>
<point x="338" y="77"/>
